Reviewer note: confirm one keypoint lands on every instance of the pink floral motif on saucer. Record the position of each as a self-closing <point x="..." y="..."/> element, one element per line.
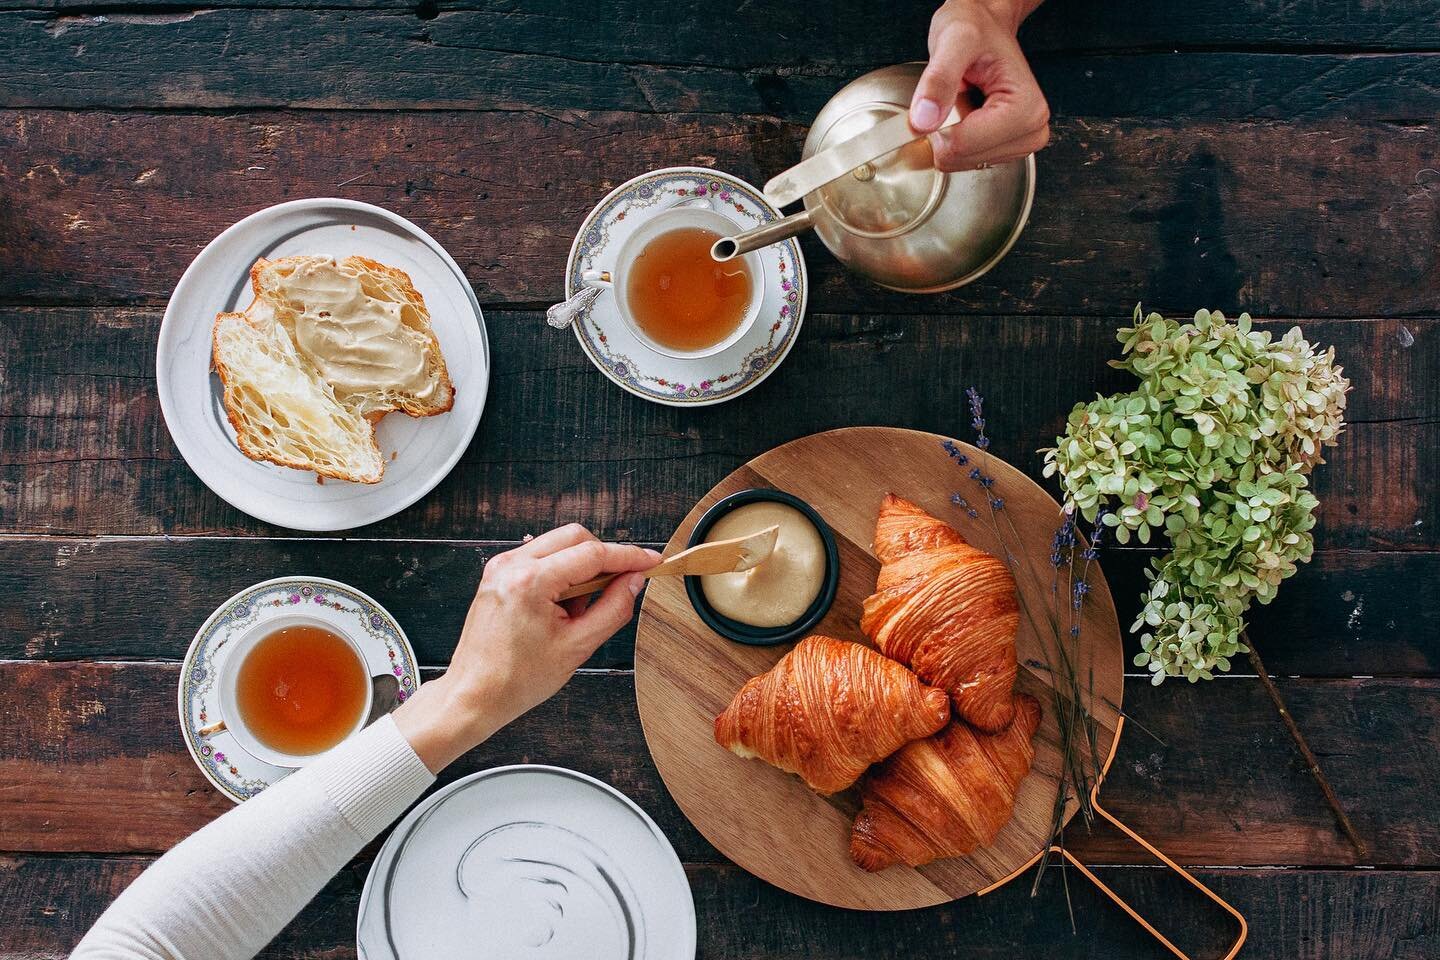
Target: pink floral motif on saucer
<point x="622" y="357"/>
<point x="220" y="757"/>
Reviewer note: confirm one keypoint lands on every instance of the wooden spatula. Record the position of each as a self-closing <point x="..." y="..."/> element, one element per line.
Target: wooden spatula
<point x="722" y="556"/>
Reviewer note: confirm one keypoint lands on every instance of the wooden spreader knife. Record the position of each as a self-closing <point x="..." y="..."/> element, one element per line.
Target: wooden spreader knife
<point x="722" y="556"/>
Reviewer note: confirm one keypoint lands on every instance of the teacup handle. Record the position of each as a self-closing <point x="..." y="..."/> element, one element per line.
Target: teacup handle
<point x="211" y="730"/>
<point x="707" y="200"/>
<point x="597" y="278"/>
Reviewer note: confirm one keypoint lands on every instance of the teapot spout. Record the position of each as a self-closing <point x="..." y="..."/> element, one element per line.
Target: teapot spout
<point x="728" y="248"/>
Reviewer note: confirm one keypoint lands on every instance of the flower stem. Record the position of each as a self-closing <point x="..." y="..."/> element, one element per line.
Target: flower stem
<point x="1311" y="761"/>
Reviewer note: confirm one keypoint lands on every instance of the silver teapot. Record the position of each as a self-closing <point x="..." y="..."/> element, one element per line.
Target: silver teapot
<point x="874" y="197"/>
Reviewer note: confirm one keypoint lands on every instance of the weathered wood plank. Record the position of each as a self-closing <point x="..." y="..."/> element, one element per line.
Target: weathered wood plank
<point x="47" y="903"/>
<point x="1249" y="24"/>
<point x="468" y="59"/>
<point x="1332" y="218"/>
<point x="1347" y="613"/>
<point x="123" y="598"/>
<point x="93" y="763"/>
<point x="770" y="33"/>
<point x="84" y="450"/>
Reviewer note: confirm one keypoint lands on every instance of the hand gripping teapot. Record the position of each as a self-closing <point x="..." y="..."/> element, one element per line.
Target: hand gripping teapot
<point x="873" y="195"/>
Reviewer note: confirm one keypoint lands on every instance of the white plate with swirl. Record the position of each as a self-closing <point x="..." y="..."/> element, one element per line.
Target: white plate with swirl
<point x="612" y="345"/>
<point x="527" y="861"/>
<point x="419" y="452"/>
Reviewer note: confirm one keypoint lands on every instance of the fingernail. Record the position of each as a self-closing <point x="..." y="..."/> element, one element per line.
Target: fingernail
<point x="924" y="114"/>
<point x="636" y="584"/>
<point x="654" y="554"/>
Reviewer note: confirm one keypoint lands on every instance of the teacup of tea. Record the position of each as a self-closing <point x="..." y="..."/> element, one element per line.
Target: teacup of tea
<point x="674" y="296"/>
<point x="292" y="688"/>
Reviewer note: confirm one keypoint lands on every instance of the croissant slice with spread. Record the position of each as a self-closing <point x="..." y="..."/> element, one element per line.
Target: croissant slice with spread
<point x="945" y="795"/>
<point x="828" y="710"/>
<point x="946" y="609"/>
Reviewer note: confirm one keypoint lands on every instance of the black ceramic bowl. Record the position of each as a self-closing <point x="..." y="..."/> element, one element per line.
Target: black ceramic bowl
<point x="744" y="632"/>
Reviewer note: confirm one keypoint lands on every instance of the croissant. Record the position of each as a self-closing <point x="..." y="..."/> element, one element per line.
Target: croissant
<point x="945" y="795"/>
<point x="828" y="710"/>
<point x="947" y="610"/>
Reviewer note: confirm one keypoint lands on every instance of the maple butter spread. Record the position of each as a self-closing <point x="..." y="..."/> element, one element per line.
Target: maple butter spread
<point x="778" y="591"/>
<point x="357" y="341"/>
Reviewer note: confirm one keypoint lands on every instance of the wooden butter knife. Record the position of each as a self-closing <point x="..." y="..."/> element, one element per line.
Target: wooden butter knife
<point x="722" y="556"/>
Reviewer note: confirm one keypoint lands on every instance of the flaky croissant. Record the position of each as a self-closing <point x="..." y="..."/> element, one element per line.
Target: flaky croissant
<point x="947" y="609"/>
<point x="945" y="795"/>
<point x="828" y="710"/>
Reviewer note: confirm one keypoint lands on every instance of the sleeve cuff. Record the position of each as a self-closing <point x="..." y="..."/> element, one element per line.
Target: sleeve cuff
<point x="373" y="777"/>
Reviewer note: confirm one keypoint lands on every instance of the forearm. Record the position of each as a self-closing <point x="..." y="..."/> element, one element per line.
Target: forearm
<point x="225" y="891"/>
<point x="228" y="889"/>
<point x="446" y="717"/>
<point x="1011" y="12"/>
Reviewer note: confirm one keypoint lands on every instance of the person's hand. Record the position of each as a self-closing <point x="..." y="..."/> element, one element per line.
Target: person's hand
<point x="973" y="50"/>
<point x="518" y="645"/>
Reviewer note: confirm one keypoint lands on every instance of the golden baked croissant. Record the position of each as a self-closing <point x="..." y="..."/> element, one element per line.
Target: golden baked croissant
<point x="945" y="795"/>
<point x="947" y="610"/>
<point x="828" y="710"/>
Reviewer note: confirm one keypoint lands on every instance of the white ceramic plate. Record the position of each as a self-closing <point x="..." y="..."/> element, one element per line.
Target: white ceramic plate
<point x="607" y="339"/>
<point x="219" y="280"/>
<point x="219" y="756"/>
<point x="527" y="861"/>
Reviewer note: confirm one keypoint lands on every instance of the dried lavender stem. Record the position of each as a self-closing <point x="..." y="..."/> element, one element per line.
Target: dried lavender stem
<point x="1311" y="762"/>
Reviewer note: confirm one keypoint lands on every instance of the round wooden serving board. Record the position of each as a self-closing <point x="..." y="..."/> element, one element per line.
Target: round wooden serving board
<point x="768" y="821"/>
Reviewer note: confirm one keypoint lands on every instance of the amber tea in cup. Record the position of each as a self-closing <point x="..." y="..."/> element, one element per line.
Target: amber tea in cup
<point x="301" y="689"/>
<point x="680" y="297"/>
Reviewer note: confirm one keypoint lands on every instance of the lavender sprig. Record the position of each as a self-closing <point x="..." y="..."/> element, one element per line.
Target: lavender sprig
<point x="977" y="417"/>
<point x="1076" y="724"/>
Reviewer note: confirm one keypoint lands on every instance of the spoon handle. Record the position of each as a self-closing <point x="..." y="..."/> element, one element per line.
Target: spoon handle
<point x="561" y="315"/>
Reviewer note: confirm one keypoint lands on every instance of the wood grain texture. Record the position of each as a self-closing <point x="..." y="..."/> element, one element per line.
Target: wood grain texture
<point x="84" y="450"/>
<point x="1240" y="24"/>
<point x="69" y="599"/>
<point x="767" y="34"/>
<point x="392" y="59"/>
<point x="1313" y="218"/>
<point x="92" y="761"/>
<point x="46" y="903"/>
<point x="769" y="821"/>
<point x="1277" y="156"/>
<point x="1345" y="613"/>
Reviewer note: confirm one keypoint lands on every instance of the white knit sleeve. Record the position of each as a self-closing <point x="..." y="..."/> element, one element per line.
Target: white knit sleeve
<point x="229" y="888"/>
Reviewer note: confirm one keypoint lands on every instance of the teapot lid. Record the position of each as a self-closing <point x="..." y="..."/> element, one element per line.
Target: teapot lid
<point x="886" y="196"/>
<point x="897" y="219"/>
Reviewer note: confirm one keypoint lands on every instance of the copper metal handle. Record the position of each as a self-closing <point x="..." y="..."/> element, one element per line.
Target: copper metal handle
<point x="1149" y="928"/>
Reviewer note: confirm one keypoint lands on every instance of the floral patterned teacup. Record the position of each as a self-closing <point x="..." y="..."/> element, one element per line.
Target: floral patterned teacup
<point x="694" y="213"/>
<point x="228" y="684"/>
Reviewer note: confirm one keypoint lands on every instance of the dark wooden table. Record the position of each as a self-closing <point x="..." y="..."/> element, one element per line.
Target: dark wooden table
<point x="1234" y="154"/>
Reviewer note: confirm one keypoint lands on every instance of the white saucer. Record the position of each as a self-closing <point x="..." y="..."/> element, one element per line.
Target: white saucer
<point x="220" y="757"/>
<point x="622" y="357"/>
<point x="527" y="861"/>
<point x="219" y="280"/>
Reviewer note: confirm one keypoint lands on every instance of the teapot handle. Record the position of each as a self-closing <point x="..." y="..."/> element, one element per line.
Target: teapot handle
<point x="831" y="164"/>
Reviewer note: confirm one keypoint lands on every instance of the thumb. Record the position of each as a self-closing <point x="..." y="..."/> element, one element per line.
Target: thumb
<point x="944" y="77"/>
<point x="611" y="611"/>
